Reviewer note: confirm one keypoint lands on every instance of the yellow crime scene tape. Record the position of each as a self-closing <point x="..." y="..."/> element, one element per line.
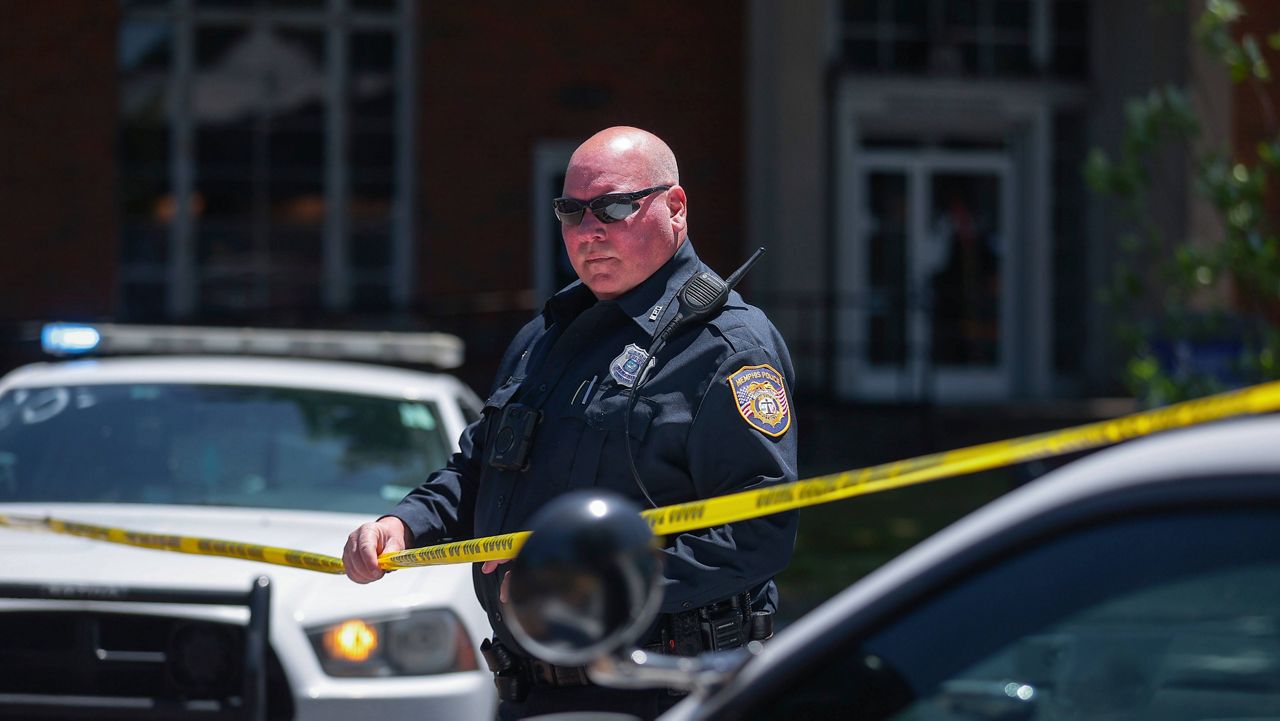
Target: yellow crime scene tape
<point x="745" y="505"/>
<point x="180" y="544"/>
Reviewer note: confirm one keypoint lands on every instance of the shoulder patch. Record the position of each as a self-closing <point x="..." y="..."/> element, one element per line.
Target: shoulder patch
<point x="761" y="398"/>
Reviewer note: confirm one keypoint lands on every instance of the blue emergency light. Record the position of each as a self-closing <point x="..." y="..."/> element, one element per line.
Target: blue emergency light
<point x="78" y="339"/>
<point x="69" y="338"/>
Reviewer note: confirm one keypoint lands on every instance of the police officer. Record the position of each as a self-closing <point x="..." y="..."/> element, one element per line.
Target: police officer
<point x="713" y="415"/>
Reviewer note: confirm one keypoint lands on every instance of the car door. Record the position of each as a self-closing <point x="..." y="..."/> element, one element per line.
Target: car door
<point x="1155" y="602"/>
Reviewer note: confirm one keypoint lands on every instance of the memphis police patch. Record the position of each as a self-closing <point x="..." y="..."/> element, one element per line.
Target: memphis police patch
<point x="761" y="398"/>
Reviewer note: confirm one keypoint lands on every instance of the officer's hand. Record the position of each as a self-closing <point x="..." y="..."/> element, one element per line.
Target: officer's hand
<point x="490" y="567"/>
<point x="366" y="543"/>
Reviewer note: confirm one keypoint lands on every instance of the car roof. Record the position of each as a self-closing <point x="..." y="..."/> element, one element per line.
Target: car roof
<point x="1238" y="448"/>
<point x="339" y="376"/>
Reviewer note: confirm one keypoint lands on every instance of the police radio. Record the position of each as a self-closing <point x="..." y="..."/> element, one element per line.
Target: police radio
<point x="701" y="297"/>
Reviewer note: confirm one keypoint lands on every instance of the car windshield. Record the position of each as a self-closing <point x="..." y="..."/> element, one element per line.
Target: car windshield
<point x="1162" y="614"/>
<point x="215" y="445"/>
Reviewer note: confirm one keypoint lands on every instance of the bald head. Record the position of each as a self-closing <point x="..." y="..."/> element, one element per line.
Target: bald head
<point x="632" y="154"/>
<point x="612" y="255"/>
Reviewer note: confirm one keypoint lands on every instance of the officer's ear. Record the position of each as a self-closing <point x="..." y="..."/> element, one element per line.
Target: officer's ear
<point x="677" y="204"/>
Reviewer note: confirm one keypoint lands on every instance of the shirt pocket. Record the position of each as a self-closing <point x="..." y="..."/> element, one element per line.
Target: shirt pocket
<point x="608" y="412"/>
<point x="600" y="456"/>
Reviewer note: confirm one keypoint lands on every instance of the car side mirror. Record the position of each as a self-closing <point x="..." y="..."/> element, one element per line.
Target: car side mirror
<point x="587" y="581"/>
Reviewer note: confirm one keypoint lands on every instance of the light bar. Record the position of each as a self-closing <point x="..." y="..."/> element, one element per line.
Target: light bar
<point x="441" y="350"/>
<point x="69" y="338"/>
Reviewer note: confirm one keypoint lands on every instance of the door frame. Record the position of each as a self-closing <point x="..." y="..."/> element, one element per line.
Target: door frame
<point x="550" y="158"/>
<point x="918" y="379"/>
<point x="1011" y="118"/>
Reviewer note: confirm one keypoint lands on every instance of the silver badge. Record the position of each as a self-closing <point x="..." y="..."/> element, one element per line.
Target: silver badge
<point x="627" y="365"/>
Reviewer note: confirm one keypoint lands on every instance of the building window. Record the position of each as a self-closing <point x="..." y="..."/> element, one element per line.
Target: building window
<point x="551" y="268"/>
<point x="990" y="38"/>
<point x="1071" y="248"/>
<point x="264" y="150"/>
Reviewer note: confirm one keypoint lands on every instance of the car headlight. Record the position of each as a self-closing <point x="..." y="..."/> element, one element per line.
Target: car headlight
<point x="420" y="644"/>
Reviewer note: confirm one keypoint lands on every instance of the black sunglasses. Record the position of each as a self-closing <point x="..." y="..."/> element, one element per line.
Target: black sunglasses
<point x="608" y="208"/>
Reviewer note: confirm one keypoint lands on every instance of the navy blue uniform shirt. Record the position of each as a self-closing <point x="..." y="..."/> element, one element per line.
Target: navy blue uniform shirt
<point x="713" y="417"/>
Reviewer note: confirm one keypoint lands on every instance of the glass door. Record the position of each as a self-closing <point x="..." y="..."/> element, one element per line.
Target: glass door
<point x="927" y="315"/>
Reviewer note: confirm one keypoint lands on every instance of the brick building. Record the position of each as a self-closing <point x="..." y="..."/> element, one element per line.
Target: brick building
<point x="913" y="168"/>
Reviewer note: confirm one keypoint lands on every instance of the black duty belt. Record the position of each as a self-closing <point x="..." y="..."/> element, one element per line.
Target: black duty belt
<point x="716" y="627"/>
<point x="547" y="674"/>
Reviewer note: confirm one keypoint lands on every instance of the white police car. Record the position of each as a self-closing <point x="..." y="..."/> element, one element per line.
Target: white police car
<point x="287" y="453"/>
<point x="1142" y="582"/>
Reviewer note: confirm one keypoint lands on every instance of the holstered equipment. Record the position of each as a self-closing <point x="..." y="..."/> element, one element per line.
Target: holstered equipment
<point x="509" y="675"/>
<point x="715" y="627"/>
<point x="719" y="626"/>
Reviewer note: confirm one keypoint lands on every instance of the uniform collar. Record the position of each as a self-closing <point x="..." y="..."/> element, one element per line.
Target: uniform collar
<point x="568" y="304"/>
<point x="641" y="303"/>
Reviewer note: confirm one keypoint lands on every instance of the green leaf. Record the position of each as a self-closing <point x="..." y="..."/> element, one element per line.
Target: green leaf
<point x="1239" y="70"/>
<point x="1224" y="11"/>
<point x="1178" y="112"/>
<point x="1098" y="171"/>
<point x="1253" y="57"/>
<point x="1267" y="151"/>
<point x="1144" y="367"/>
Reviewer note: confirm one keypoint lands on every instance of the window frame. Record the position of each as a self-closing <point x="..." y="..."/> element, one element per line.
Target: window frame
<point x="550" y="160"/>
<point x="180" y="274"/>
<point x="1039" y="37"/>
